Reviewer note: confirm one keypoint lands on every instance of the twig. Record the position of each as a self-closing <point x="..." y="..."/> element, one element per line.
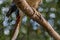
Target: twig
<point x="18" y="25"/>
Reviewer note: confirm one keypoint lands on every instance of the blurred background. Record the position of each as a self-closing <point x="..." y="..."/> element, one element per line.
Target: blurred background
<point x="30" y="30"/>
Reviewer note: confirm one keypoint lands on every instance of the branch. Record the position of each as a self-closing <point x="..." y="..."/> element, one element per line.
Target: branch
<point x="17" y="27"/>
<point x="32" y="13"/>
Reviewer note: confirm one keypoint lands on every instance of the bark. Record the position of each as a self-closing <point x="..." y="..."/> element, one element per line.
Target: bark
<point x="32" y="13"/>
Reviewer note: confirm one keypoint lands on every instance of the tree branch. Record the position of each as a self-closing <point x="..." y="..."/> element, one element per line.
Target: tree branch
<point x="32" y="13"/>
<point x="17" y="26"/>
